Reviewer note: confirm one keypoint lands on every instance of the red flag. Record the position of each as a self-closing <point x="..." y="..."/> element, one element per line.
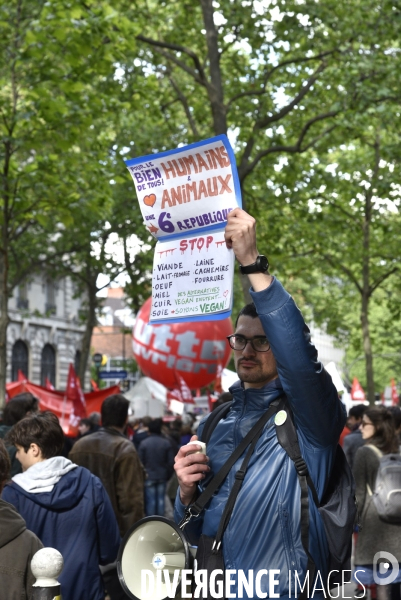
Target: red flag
<point x="21" y="376"/>
<point x="94" y="385"/>
<point x="184" y="389"/>
<point x="49" y="385"/>
<point x="357" y="392"/>
<point x="75" y="394"/>
<point x="211" y="399"/>
<point x="394" y="394"/>
<point x="174" y="395"/>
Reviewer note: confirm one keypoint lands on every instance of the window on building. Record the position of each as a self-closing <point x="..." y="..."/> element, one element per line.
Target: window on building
<point x="48" y="365"/>
<point x="19" y="360"/>
<point x="77" y="360"/>
<point x="50" y="306"/>
<point x="22" y="298"/>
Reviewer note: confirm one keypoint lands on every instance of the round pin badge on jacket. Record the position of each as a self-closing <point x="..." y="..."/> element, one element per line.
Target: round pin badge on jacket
<point x="280" y="417"/>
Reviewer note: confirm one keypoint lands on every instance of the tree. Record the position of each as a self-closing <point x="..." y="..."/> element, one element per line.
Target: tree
<point x="56" y="77"/>
<point x="275" y="76"/>
<point x="345" y="218"/>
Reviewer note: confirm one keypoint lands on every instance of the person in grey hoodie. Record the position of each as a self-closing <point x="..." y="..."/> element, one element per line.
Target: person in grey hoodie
<point x="17" y="545"/>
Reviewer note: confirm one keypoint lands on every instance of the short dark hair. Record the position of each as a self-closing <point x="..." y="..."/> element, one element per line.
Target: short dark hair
<point x="95" y="418"/>
<point x="18" y="407"/>
<point x="155" y="426"/>
<point x="42" y="429"/>
<point x="249" y="310"/>
<point x="384" y="436"/>
<point x="357" y="411"/>
<point x="5" y="465"/>
<point x="115" y="411"/>
<point x="396" y="412"/>
<point x="86" y="422"/>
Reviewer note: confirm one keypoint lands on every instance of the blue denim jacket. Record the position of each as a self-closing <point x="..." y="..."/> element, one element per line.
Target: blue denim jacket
<point x="264" y="529"/>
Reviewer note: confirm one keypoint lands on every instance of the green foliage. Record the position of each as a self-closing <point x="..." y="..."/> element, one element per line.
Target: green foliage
<point x="308" y="92"/>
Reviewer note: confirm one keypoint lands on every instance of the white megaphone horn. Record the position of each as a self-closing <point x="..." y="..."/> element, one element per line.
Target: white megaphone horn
<point x="153" y="544"/>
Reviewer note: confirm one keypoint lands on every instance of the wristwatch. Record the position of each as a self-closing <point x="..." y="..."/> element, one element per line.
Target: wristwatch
<point x="261" y="265"/>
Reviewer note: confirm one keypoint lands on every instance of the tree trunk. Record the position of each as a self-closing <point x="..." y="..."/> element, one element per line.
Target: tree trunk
<point x="215" y="88"/>
<point x="367" y="348"/>
<point x="91" y="322"/>
<point x="366" y="292"/>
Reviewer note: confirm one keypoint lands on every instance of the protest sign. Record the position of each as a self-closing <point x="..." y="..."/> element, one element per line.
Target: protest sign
<point x="192" y="277"/>
<point x="187" y="189"/>
<point x="185" y="196"/>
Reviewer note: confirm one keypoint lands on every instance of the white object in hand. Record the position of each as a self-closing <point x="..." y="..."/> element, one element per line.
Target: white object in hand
<point x="197" y="443"/>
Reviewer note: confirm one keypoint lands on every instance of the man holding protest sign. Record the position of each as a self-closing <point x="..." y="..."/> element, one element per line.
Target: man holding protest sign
<point x="273" y="355"/>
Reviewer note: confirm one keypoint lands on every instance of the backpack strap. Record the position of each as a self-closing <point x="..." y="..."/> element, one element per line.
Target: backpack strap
<point x="195" y="509"/>
<point x="215" y="416"/>
<point x="288" y="440"/>
<point x="375" y="449"/>
<point x="379" y="455"/>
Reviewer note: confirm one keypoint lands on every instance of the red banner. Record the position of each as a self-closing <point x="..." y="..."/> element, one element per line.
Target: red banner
<point x="49" y="385"/>
<point x="58" y="403"/>
<point x="186" y="393"/>
<point x="75" y="394"/>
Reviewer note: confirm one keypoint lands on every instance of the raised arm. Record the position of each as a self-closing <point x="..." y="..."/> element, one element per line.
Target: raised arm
<point x="309" y="388"/>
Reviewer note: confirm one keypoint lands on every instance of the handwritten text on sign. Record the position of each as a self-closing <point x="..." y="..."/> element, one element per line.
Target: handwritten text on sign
<point x="187" y="189"/>
<point x="192" y="276"/>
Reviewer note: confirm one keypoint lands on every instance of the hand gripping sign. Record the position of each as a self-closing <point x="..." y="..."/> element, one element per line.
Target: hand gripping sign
<point x="185" y="196"/>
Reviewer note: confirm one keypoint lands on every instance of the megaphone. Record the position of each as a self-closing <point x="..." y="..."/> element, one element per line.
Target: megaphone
<point x="151" y="556"/>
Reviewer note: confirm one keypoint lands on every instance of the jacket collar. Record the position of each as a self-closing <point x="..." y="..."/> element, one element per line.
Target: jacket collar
<point x="255" y="398"/>
<point x="113" y="431"/>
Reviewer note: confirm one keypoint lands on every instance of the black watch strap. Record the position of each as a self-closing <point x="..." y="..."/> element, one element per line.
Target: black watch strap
<point x="261" y="265"/>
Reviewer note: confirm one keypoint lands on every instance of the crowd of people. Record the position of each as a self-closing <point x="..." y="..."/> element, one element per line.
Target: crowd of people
<point x="286" y="417"/>
<point x="371" y="433"/>
<point x="81" y="495"/>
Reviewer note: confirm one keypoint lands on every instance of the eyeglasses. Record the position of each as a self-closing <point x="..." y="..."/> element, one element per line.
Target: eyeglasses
<point x="363" y="423"/>
<point x="259" y="343"/>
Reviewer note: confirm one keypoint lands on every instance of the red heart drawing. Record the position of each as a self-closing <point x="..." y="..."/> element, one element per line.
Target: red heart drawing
<point x="149" y="200"/>
<point x="225" y="294"/>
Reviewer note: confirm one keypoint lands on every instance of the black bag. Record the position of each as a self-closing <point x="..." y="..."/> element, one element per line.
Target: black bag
<point x="209" y="557"/>
<point x="338" y="506"/>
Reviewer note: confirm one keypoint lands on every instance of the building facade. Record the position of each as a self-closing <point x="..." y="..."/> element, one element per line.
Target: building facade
<point x="45" y="332"/>
<point x="113" y="338"/>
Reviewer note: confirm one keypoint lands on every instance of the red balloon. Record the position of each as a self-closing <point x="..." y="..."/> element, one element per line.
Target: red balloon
<point x="193" y="349"/>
